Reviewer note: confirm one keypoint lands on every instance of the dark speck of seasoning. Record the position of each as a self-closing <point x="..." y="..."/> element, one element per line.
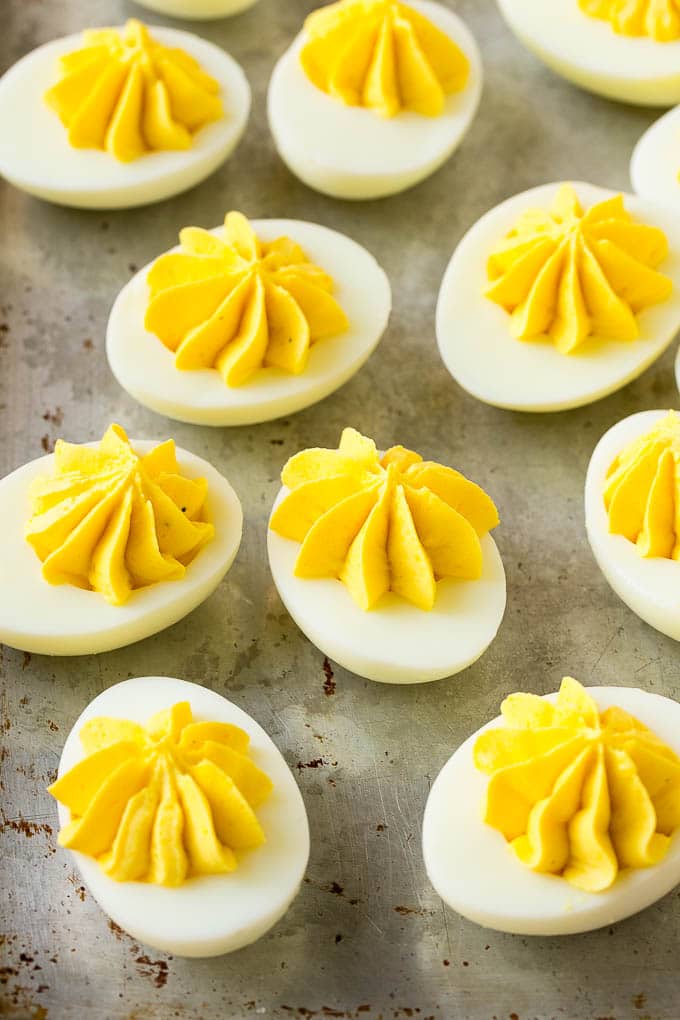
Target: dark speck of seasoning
<point x="465" y="963"/>
<point x="514" y="1016"/>
<point x="88" y="344"/>
<point x="47" y="444"/>
<point x="276" y="442"/>
<point x="132" y="267"/>
<point x="315" y="763"/>
<point x="184" y="509"/>
<point x="53" y="726"/>
<point x="26" y="660"/>
<point x="446" y="963"/>
<point x="336" y="889"/>
<point x="55" y="417"/>
<point x="639" y="1000"/>
<point x="155" y="969"/>
<point x="380" y="827"/>
<point x="338" y="938"/>
<point x="329" y="682"/>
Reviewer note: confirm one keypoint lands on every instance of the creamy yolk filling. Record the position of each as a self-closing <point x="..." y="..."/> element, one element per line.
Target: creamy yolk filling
<point x="128" y="94"/>
<point x="642" y="492"/>
<point x="111" y="521"/>
<point x="659" y="19"/>
<point x="571" y="275"/>
<point x="392" y="523"/>
<point x="382" y="55"/>
<point x="163" y="802"/>
<point x="240" y="304"/>
<point x="578" y="793"/>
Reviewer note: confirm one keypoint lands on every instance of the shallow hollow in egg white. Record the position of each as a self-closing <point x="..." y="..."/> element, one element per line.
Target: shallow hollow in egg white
<point x="477" y="874"/>
<point x="351" y="152"/>
<point x="67" y="620"/>
<point x="214" y="914"/>
<point x="484" y="357"/>
<point x="650" y="586"/>
<point x="36" y="156"/>
<point x="395" y="642"/>
<point x="588" y="52"/>
<point x="146" y="368"/>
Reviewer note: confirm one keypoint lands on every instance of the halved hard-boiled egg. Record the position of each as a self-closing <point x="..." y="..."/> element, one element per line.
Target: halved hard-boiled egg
<point x="119" y="117"/>
<point x="562" y="815"/>
<point x="185" y="822"/>
<point x="372" y="97"/>
<point x="200" y="10"/>
<point x="632" y="518"/>
<point x="247" y="322"/>
<point x="559" y="296"/>
<point x="104" y="544"/>
<point x="655" y="163"/>
<point x="623" y="50"/>
<point x="386" y="562"/>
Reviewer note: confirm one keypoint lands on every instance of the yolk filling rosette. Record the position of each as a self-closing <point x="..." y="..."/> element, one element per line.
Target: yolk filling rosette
<point x="164" y="802"/>
<point x="382" y="55"/>
<point x="658" y="19"/>
<point x="573" y="275"/>
<point x="128" y="94"/>
<point x="112" y="521"/>
<point x="576" y="792"/>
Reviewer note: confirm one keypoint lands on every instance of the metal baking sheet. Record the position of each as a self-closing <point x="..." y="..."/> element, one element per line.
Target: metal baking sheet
<point x="367" y="937"/>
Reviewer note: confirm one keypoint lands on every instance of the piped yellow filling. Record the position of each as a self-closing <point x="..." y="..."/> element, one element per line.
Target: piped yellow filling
<point x="383" y="55"/>
<point x="658" y="19"/>
<point x="126" y="93"/>
<point x="239" y="304"/>
<point x="111" y="521"/>
<point x="642" y="493"/>
<point x="578" y="793"/>
<point x="379" y="524"/>
<point x="163" y="802"/>
<point x="570" y="275"/>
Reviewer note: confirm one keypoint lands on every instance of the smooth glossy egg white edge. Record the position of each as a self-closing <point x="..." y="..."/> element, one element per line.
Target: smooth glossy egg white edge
<point x="655" y="163"/>
<point x="395" y="643"/>
<point x="590" y="53"/>
<point x="66" y="620"/>
<point x="477" y="874"/>
<point x="473" y="332"/>
<point x="90" y="178"/>
<point x="146" y="369"/>
<point x="408" y="147"/>
<point x="267" y="879"/>
<point x="198" y="10"/>
<point x="649" y="586"/>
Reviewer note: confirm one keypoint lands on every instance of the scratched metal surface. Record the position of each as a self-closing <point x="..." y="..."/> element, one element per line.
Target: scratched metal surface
<point x="367" y="937"/>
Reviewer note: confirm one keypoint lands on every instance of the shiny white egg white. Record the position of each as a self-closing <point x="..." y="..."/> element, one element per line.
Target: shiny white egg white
<point x="484" y="358"/>
<point x="655" y="164"/>
<point x="199" y="10"/>
<point x="649" y="586"/>
<point x="588" y="52"/>
<point x="146" y="368"/>
<point x="212" y="914"/>
<point x="65" y="620"/>
<point x="395" y="642"/>
<point x="477" y="874"/>
<point x="351" y="152"/>
<point x="35" y="154"/>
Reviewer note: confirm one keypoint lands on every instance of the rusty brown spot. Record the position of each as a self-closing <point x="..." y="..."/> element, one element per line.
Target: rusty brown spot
<point x="156" y="969"/>
<point x="329" y="682"/>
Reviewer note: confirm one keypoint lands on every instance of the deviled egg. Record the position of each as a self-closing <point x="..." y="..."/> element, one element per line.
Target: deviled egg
<point x="560" y="296"/>
<point x="631" y="517"/>
<point x="386" y="562"/>
<point x="561" y="816"/>
<point x="374" y="95"/>
<point x="119" y="117"/>
<point x="185" y="822"/>
<point x="624" y="51"/>
<point x="104" y="544"/>
<point x="200" y="10"/>
<point x="247" y="322"/>
<point x="655" y="163"/>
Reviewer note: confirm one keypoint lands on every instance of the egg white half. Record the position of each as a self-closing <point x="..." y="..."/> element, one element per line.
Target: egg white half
<point x="146" y="368"/>
<point x="655" y="164"/>
<point x="394" y="643"/>
<point x="199" y="10"/>
<point x="483" y="357"/>
<point x="212" y="914"/>
<point x="477" y="874"/>
<point x="351" y="152"/>
<point x="649" y="586"/>
<point x="65" y="620"/>
<point x="35" y="154"/>
<point x="588" y="52"/>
